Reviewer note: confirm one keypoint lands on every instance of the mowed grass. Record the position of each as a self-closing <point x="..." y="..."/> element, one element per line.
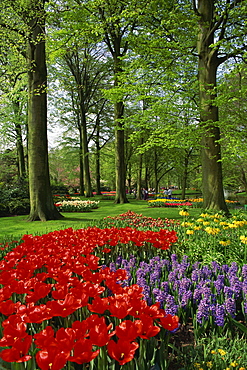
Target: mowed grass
<point x="16" y="226"/>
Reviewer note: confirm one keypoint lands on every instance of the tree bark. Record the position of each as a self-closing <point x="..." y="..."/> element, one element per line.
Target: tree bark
<point x="41" y="201"/>
<point x="82" y="188"/>
<point x="85" y="154"/>
<point x="139" y="174"/>
<point x="19" y="142"/>
<point x="119" y="139"/>
<point x="185" y="173"/>
<point x="97" y="160"/>
<point x="212" y="184"/>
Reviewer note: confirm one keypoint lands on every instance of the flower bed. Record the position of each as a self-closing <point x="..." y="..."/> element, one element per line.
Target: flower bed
<point x="60" y="307"/>
<point x="77" y="205"/>
<point x="139" y="221"/>
<point x="106" y="298"/>
<point x="168" y="203"/>
<point x="213" y="295"/>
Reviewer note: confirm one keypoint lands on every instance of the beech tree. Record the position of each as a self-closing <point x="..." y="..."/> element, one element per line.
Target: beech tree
<point x="13" y="98"/>
<point x="222" y="27"/>
<point x="27" y="18"/>
<point x="115" y="22"/>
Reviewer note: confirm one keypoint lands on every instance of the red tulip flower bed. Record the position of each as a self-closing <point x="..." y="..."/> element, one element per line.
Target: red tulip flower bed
<point x="61" y="307"/>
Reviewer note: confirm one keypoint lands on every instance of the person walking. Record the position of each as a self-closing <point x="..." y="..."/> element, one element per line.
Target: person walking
<point x="169" y="193"/>
<point x="145" y="194"/>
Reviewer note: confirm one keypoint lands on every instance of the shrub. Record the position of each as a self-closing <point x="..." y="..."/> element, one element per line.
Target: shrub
<point x="14" y="199"/>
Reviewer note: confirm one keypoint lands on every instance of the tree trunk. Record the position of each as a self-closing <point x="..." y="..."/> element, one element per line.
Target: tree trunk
<point x="212" y="184"/>
<point x="97" y="161"/>
<point x="119" y="141"/>
<point x="82" y="189"/>
<point x="243" y="179"/>
<point x="185" y="174"/>
<point x="19" y="142"/>
<point x="85" y="155"/>
<point x="129" y="178"/>
<point x="41" y="201"/>
<point x="156" y="180"/>
<point x="146" y="177"/>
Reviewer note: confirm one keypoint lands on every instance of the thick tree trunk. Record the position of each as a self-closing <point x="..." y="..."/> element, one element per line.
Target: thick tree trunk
<point x="41" y="201"/>
<point x="212" y="184"/>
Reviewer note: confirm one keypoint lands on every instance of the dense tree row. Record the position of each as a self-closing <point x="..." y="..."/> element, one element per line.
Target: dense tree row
<point x="158" y="82"/>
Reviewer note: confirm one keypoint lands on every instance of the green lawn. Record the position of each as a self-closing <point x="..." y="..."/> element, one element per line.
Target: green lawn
<point x="14" y="227"/>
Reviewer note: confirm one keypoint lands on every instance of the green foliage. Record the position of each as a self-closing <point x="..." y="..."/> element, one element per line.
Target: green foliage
<point x="14" y="199"/>
<point x="211" y="352"/>
<point x="59" y="189"/>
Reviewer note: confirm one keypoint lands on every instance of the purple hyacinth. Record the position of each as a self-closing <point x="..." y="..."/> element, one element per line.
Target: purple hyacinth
<point x="112" y="266"/>
<point x="244" y="271"/>
<point x="225" y="268"/>
<point x="173" y="275"/>
<point x="174" y="285"/>
<point x="236" y="286"/>
<point x="174" y="260"/>
<point x="206" y="272"/>
<point x="196" y="275"/>
<point x="220" y="283"/>
<point x="186" y="297"/>
<point x="244" y="287"/>
<point x="228" y="292"/>
<point x="230" y="306"/>
<point x="170" y="305"/>
<point x="165" y="286"/>
<point x="203" y="310"/>
<point x="197" y="295"/>
<point x="215" y="267"/>
<point x="185" y="263"/>
<point x="160" y="296"/>
<point x="219" y="315"/>
<point x="245" y="307"/>
<point x="119" y="261"/>
<point x="233" y="269"/>
<point x="132" y="261"/>
<point x="155" y="277"/>
<point x="184" y="286"/>
<point x="140" y="273"/>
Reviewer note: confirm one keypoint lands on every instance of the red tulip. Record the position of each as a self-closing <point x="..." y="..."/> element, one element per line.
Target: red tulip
<point x="148" y="328"/>
<point x="123" y="351"/>
<point x="119" y="307"/>
<point x="129" y="330"/>
<point x="19" y="350"/>
<point x="83" y="352"/>
<point x="170" y="322"/>
<point x="99" y="305"/>
<point x="51" y="359"/>
<point x="64" y="307"/>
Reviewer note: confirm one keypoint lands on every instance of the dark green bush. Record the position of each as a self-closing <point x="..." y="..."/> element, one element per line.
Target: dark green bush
<point x="14" y="199"/>
<point x="59" y="189"/>
<point x="19" y="206"/>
